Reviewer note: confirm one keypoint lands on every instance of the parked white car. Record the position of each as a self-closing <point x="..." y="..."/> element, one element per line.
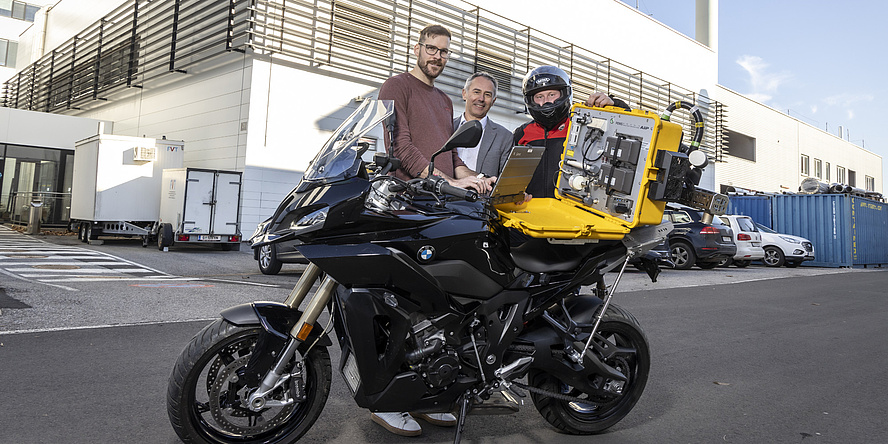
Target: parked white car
<point x="748" y="239"/>
<point x="784" y="249"/>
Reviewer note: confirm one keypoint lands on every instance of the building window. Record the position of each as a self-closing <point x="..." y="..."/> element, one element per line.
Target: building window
<point x="840" y="175"/>
<point x="7" y="53"/>
<point x="806" y="167"/>
<point x="741" y="145"/>
<point x="18" y="10"/>
<point x="870" y="183"/>
<point x="818" y="168"/>
<point x="827" y="172"/>
<point x="852" y="178"/>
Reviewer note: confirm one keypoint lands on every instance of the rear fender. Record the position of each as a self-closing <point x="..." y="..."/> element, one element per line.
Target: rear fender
<point x="276" y="320"/>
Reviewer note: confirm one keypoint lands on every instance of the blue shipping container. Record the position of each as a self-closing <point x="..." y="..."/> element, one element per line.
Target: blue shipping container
<point x="756" y="207"/>
<point x="869" y="232"/>
<point x="846" y="231"/>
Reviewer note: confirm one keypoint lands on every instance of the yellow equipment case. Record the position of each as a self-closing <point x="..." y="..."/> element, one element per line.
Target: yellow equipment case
<point x="607" y="169"/>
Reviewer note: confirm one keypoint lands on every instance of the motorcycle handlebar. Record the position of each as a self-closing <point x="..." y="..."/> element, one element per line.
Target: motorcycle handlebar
<point x="440" y="186"/>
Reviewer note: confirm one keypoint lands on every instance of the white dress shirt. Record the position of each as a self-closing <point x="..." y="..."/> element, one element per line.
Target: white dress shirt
<point x="470" y="155"/>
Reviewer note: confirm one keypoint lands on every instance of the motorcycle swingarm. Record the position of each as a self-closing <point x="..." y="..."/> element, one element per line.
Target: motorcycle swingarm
<point x="276" y="320"/>
<point x="545" y="337"/>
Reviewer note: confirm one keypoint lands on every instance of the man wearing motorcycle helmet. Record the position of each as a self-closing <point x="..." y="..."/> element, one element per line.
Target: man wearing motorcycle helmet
<point x="547" y="95"/>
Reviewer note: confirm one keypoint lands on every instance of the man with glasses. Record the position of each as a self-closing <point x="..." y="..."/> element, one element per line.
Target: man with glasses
<point x="424" y="123"/>
<point x="424" y="115"/>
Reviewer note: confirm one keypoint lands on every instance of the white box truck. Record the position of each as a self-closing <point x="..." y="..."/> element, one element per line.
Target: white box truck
<point x="200" y="205"/>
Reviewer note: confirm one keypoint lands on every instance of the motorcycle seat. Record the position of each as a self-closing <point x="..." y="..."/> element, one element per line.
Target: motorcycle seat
<point x="540" y="256"/>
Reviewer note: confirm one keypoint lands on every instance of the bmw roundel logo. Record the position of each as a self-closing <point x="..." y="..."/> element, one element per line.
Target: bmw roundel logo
<point x="426" y="253"/>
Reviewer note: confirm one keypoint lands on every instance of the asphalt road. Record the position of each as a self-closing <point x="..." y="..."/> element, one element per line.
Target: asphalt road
<point x="743" y="356"/>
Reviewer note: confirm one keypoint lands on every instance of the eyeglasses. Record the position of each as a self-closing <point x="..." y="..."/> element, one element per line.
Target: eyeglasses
<point x="432" y="50"/>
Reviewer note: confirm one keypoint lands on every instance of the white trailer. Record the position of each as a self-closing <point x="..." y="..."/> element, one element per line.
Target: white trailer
<point x="137" y="187"/>
<point x="200" y="206"/>
<point x="116" y="184"/>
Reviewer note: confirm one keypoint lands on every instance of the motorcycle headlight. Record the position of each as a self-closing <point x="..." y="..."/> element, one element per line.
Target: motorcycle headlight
<point x="313" y="220"/>
<point x="790" y="240"/>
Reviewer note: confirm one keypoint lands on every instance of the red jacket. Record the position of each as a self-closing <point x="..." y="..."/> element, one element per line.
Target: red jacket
<point x="543" y="182"/>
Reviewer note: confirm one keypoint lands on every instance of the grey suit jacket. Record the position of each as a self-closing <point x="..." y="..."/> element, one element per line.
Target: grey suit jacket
<point x="496" y="144"/>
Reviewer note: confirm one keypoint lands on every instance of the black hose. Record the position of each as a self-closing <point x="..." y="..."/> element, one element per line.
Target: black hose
<point x="696" y="115"/>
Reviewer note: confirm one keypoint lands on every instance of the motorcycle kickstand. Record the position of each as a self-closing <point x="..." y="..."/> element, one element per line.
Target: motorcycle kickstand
<point x="461" y="418"/>
<point x="604" y="306"/>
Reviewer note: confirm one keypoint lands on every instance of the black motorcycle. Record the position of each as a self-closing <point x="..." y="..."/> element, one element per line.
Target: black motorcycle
<point x="433" y="309"/>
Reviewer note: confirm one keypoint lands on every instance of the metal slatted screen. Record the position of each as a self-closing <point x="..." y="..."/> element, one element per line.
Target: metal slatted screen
<point x="366" y="39"/>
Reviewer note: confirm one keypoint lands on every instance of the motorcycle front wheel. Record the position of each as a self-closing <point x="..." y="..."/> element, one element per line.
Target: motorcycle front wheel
<point x="594" y="414"/>
<point x="206" y="401"/>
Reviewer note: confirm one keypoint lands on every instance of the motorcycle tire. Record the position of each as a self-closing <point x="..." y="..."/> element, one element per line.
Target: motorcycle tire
<point x="204" y="395"/>
<point x="596" y="416"/>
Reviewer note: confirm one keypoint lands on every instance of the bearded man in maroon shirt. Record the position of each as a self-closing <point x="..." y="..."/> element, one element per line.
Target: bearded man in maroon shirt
<point x="424" y="115"/>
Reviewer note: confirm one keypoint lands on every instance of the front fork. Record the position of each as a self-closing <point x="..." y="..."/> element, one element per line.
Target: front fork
<point x="299" y="333"/>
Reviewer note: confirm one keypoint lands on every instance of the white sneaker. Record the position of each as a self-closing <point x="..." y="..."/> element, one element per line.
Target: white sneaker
<point x="399" y="423"/>
<point x="438" y="419"/>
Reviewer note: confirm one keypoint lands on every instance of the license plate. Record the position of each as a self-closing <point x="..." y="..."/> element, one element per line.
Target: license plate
<point x="726" y="238"/>
<point x="209" y="238"/>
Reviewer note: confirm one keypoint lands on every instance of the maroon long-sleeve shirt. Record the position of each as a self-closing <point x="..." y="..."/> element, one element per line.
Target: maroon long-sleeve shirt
<point x="424" y="122"/>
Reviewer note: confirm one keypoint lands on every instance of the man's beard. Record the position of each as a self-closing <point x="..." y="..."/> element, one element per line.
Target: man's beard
<point x="428" y="70"/>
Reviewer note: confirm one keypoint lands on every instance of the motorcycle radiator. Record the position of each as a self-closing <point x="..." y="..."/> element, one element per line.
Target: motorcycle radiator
<point x="608" y="168"/>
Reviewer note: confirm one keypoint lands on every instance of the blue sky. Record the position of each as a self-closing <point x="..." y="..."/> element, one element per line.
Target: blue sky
<point x="822" y="61"/>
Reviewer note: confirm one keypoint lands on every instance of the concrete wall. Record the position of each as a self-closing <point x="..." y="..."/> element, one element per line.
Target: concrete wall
<point x="780" y="140"/>
<point x="32" y="128"/>
<point x="620" y="32"/>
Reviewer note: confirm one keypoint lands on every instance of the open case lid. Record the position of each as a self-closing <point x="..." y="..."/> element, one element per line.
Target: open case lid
<point x="606" y="170"/>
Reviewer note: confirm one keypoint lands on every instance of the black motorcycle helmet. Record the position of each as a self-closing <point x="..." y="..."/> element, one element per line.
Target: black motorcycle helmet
<point x="547" y="77"/>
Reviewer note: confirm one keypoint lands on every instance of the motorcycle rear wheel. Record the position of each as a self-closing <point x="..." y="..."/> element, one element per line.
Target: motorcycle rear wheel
<point x="204" y="397"/>
<point x="595" y="416"/>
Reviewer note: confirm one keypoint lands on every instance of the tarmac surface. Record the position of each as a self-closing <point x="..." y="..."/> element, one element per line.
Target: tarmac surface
<point x="739" y="355"/>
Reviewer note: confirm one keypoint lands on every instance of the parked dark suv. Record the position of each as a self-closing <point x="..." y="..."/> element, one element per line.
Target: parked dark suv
<point x="692" y="242"/>
<point x="272" y="256"/>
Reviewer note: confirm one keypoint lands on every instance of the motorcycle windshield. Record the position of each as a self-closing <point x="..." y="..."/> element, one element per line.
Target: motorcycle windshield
<point x="340" y="153"/>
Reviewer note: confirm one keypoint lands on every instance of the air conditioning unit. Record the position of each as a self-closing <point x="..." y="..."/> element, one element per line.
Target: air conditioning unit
<point x="144" y="153"/>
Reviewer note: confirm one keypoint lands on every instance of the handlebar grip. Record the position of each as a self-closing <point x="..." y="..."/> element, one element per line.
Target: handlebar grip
<point x="462" y="193"/>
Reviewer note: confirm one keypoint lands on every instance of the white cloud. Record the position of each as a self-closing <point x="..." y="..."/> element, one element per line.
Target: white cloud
<point x="847" y="100"/>
<point x="813" y="109"/>
<point x="763" y="82"/>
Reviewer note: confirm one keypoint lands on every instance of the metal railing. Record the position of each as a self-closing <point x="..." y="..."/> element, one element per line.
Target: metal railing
<point x="54" y="212"/>
<point x="369" y="40"/>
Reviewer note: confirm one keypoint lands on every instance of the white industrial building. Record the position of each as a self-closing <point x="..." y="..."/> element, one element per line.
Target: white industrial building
<point x="256" y="86"/>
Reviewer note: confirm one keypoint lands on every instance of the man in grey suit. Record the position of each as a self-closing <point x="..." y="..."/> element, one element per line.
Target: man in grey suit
<point x="489" y="156"/>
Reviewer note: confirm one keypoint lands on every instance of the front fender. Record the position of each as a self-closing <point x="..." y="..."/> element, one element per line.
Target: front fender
<point x="275" y="318"/>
